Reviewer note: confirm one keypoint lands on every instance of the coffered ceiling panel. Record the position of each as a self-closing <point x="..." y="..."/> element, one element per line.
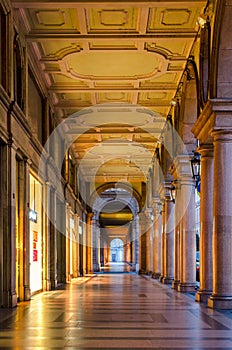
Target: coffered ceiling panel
<point x="177" y="19"/>
<point x="56" y="51"/>
<point x="116" y="66"/>
<point x="112" y="20"/>
<point x="53" y="19"/>
<point x="116" y="96"/>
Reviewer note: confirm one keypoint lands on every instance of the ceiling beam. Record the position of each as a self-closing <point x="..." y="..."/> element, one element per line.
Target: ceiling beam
<point x="96" y="4"/>
<point x="78" y="132"/>
<point x="66" y="36"/>
<point x="71" y="89"/>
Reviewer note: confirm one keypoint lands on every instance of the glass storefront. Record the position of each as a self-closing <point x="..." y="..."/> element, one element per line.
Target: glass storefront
<point x="35" y="218"/>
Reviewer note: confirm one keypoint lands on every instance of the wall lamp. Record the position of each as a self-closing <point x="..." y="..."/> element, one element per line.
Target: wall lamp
<point x="195" y="166"/>
<point x="201" y="21"/>
<point x="159" y="207"/>
<point x="172" y="193"/>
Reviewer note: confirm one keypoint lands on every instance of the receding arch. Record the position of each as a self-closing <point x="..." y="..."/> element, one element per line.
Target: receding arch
<point x="116" y="185"/>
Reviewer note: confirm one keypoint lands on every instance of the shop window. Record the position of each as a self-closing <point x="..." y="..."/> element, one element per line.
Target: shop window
<point x="3" y="48"/>
<point x="35" y="219"/>
<point x="18" y="74"/>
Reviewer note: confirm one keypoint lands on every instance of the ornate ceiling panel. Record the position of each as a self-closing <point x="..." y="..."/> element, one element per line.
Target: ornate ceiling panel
<point x="126" y="56"/>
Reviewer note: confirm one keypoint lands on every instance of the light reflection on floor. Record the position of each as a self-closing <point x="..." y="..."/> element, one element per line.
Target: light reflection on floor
<point x="114" y="311"/>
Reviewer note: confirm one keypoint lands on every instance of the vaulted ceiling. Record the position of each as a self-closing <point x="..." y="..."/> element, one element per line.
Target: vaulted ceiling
<point x="119" y="63"/>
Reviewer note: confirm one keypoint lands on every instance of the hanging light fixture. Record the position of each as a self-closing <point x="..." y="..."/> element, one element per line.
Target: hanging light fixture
<point x="172" y="192"/>
<point x="195" y="166"/>
<point x="159" y="207"/>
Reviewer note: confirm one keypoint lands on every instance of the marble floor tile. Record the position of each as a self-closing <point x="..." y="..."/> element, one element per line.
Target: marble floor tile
<point x="114" y="311"/>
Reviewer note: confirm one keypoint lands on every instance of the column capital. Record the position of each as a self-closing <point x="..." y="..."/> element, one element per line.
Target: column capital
<point x="182" y="169"/>
<point x="222" y="135"/>
<point x="155" y="201"/>
<point x="206" y="150"/>
<point x="163" y="190"/>
<point x="216" y="115"/>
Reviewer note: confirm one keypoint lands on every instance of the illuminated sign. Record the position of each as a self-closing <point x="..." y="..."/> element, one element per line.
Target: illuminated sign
<point x="33" y="215"/>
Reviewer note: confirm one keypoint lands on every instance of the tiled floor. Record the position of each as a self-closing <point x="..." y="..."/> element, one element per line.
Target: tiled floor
<point x="114" y="311"/>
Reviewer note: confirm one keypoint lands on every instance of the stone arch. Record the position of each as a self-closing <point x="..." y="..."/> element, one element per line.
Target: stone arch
<point x="100" y="203"/>
<point x="204" y="64"/>
<point x="134" y="193"/>
<point x="188" y="108"/>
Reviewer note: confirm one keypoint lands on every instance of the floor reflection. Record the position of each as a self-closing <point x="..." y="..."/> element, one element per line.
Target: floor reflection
<point x="116" y="267"/>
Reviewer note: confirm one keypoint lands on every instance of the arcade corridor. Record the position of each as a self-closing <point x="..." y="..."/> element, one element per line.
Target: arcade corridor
<point x="100" y="313"/>
<point x="115" y="174"/>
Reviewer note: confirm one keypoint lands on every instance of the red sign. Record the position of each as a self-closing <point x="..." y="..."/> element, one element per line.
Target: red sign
<point x="35" y="255"/>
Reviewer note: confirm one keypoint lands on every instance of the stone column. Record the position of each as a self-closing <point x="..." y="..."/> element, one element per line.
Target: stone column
<point x="75" y="245"/>
<point x="148" y="241"/>
<point x="68" y="237"/>
<point x="61" y="240"/>
<point x="142" y="262"/>
<point x="77" y="223"/>
<point x="84" y="233"/>
<point x="53" y="248"/>
<point x="96" y="265"/>
<point x="187" y="233"/>
<point x="157" y="242"/>
<point x="151" y="241"/>
<point x="102" y="248"/>
<point x="136" y="257"/>
<point x="46" y="260"/>
<point x="162" y="242"/>
<point x="177" y="235"/>
<point x="89" y="243"/>
<point x="206" y="223"/>
<point x="168" y="240"/>
<point x="222" y="230"/>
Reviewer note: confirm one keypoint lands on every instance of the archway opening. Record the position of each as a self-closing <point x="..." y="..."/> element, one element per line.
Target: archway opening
<point x="116" y="251"/>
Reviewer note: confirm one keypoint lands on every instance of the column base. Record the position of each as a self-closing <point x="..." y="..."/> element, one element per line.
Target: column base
<point x="156" y="275"/>
<point x="27" y="293"/>
<point x="53" y="284"/>
<point x="203" y="295"/>
<point x="217" y="302"/>
<point x="96" y="267"/>
<point x="161" y="277"/>
<point x="9" y="299"/>
<point x="47" y="285"/>
<point x="149" y="273"/>
<point x="186" y="287"/>
<point x="175" y="284"/>
<point x="167" y="280"/>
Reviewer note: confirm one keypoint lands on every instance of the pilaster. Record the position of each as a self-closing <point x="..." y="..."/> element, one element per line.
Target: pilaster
<point x="9" y="296"/>
<point x="24" y="230"/>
